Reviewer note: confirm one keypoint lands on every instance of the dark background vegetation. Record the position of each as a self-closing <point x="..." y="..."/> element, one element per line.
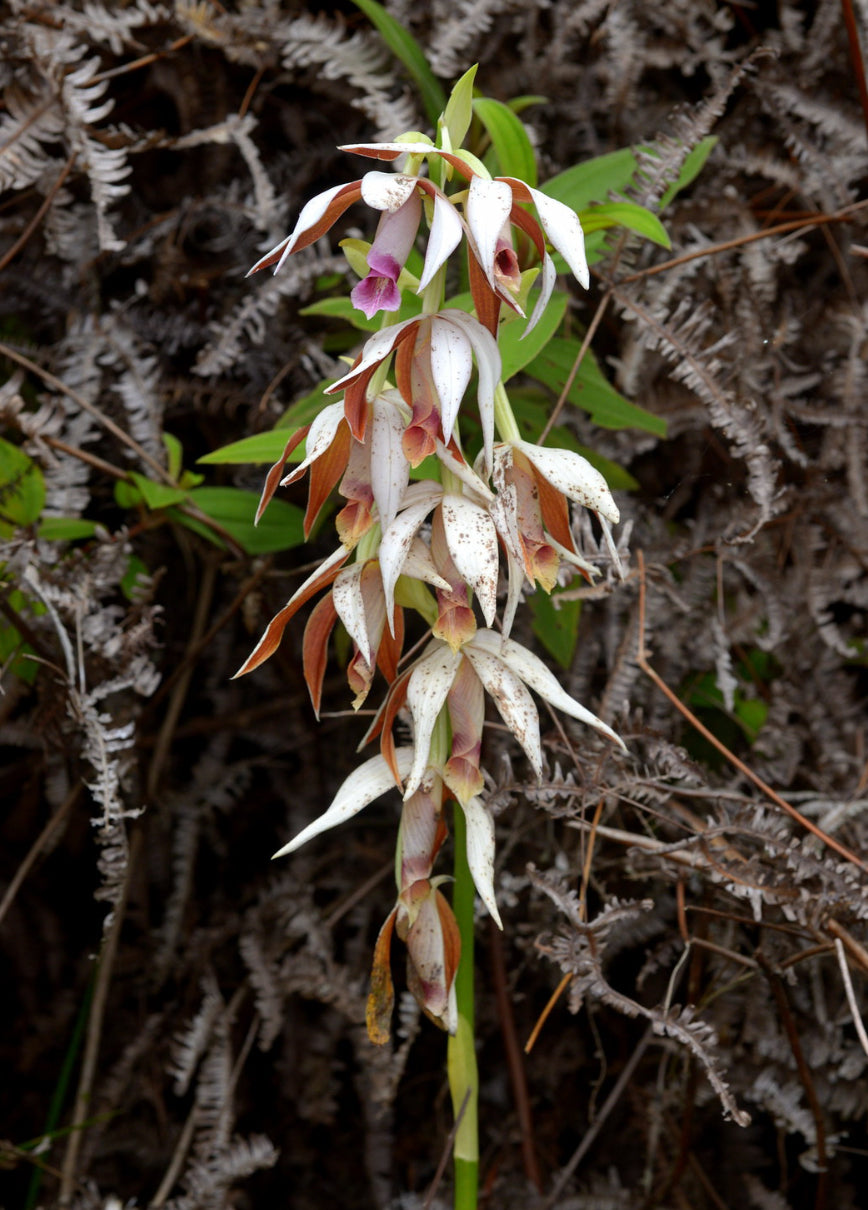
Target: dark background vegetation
<point x="215" y="1055"/>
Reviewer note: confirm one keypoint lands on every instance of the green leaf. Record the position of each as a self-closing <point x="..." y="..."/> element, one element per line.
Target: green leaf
<point x="175" y="456"/>
<point x="233" y="510"/>
<point x="22" y="489"/>
<point x="259" y="449"/>
<point x="590" y="389"/>
<point x="459" y="108"/>
<point x="405" y="47"/>
<point x="690" y="169"/>
<point x="135" y="571"/>
<point x="520" y="104"/>
<point x="302" y="412"/>
<point x="516" y="349"/>
<point x="593" y="180"/>
<point x="66" y="529"/>
<point x="556" y="625"/>
<point x="512" y="147"/>
<point x="158" y="495"/>
<point x="625" y="214"/>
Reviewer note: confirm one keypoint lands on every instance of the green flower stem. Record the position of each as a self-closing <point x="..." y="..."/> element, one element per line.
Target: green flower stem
<point x="461" y="1052"/>
<point x="504" y="418"/>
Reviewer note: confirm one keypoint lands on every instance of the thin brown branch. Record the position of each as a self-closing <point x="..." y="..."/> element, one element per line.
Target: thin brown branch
<point x="86" y="406"/>
<point x="772" y="795"/>
<point x="514" y="1060"/>
<point x="840" y="216"/>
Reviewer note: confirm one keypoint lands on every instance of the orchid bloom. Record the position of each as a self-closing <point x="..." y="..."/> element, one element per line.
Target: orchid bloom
<point x="534" y="484"/>
<point x="387" y="192"/>
<point x="434" y="361"/>
<point x="396" y="233"/>
<point x="507" y="672"/>
<point x="489" y="206"/>
<point x="421" y="917"/>
<point x="434" y="545"/>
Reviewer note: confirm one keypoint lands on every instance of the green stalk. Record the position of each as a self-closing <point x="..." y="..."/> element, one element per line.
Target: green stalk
<point x="461" y="1051"/>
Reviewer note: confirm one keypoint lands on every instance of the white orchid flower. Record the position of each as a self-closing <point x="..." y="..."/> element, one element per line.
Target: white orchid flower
<point x="373" y="779"/>
<point x="490" y="205"/>
<point x="508" y="672"/>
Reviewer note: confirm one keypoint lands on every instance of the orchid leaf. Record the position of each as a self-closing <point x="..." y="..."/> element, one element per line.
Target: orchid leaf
<point x="625" y="214"/>
<point x="233" y="510"/>
<point x="690" y="169"/>
<point x="264" y="448"/>
<point x="459" y="108"/>
<point x="66" y="529"/>
<point x="593" y="180"/>
<point x="22" y="489"/>
<point x="590" y="389"/>
<point x="405" y="47"/>
<point x="556" y="625"/>
<point x="512" y="148"/>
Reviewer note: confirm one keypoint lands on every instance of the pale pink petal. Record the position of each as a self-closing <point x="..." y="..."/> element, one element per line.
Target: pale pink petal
<point x="390" y="471"/>
<point x="388" y="190"/>
<point x="487" y="209"/>
<point x="446" y="232"/>
<point x="480" y="853"/>
<point x="322" y="432"/>
<point x="420" y="566"/>
<point x="511" y="697"/>
<point x="488" y="364"/>
<point x="427" y="690"/>
<point x="561" y="225"/>
<point x="363" y="785"/>
<point x="397" y="540"/>
<point x="451" y="366"/>
<point x="350" y="606"/>
<point x="572" y="475"/>
<point x="472" y="541"/>
<point x="534" y="673"/>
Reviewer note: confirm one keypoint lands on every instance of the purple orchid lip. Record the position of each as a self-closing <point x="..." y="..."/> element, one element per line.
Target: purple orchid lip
<point x="377" y="292"/>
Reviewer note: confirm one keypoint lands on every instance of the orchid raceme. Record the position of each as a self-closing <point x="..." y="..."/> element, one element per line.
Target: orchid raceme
<point x="428" y="534"/>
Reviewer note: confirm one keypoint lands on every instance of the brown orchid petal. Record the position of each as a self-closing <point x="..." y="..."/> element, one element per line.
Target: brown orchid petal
<point x="315" y="647"/>
<point x="356" y="405"/>
<point x="353" y="522"/>
<point x="274" y="476"/>
<point x="423" y="831"/>
<point x="555" y="513"/>
<point x="270" y="640"/>
<point x="485" y="300"/>
<point x="433" y="953"/>
<point x="391" y="646"/>
<point x="381" y="997"/>
<point x="325" y="474"/>
<point x="384" y="720"/>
